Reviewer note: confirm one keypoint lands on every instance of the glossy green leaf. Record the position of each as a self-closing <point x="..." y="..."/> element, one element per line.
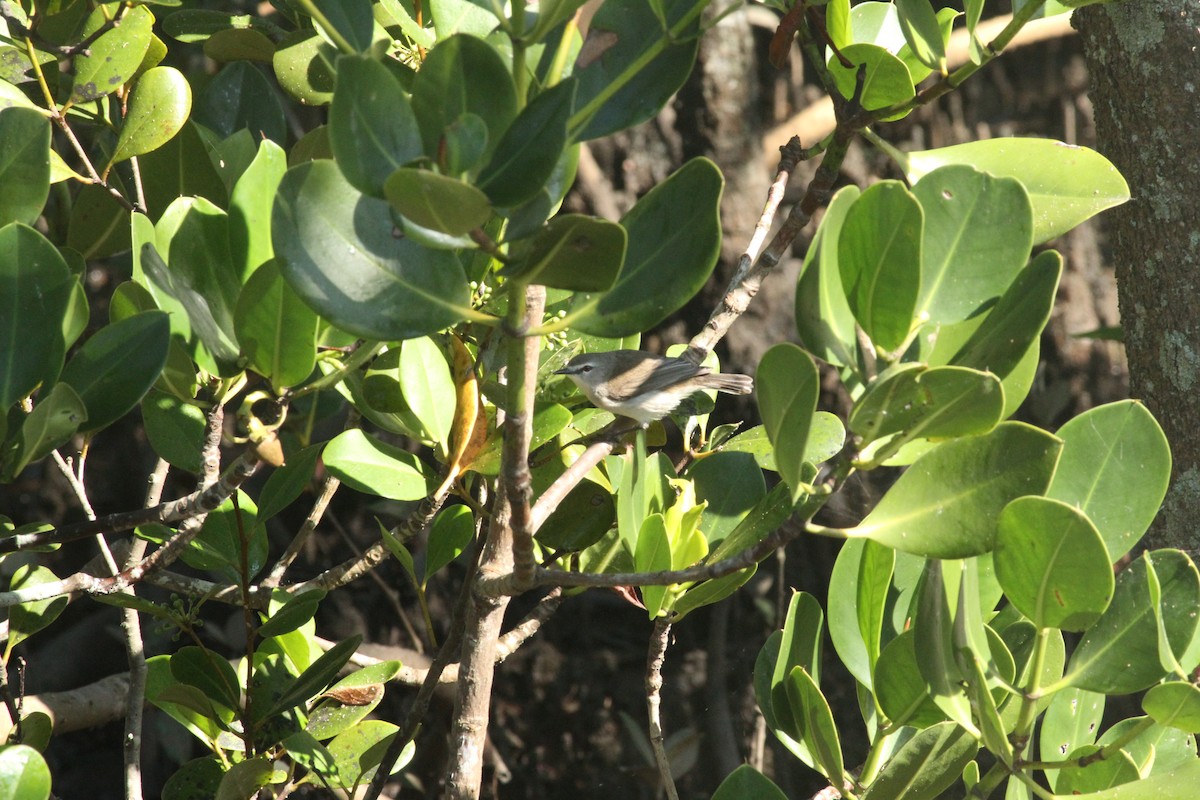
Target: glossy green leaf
<point x="820" y="732"/>
<point x="359" y="750"/>
<point x="303" y="65"/>
<point x="373" y="467"/>
<point x="933" y="640"/>
<point x="946" y="504"/>
<point x="1175" y="704"/>
<point x="26" y="619"/>
<point x="1115" y="467"/>
<point x="731" y="484"/>
<point x="572" y="251"/>
<point x="227" y="533"/>
<point x="1052" y="564"/>
<point x="54" y="419"/>
<point x="175" y="430"/>
<point x="1104" y="773"/>
<point x="114" y="57"/>
<point x="888" y="81"/>
<point x="629" y="66"/>
<point x="788" y="387"/>
<point x="1071" y="720"/>
<point x="23" y="773"/>
<point x="462" y="74"/>
<point x="372" y="128"/>
<point x="652" y="553"/>
<point x="292" y="614"/>
<point x="24" y="164"/>
<point x="245" y="778"/>
<point x="276" y="330"/>
<point x="674" y="240"/>
<point x="1119" y="653"/>
<point x="824" y="320"/>
<point x="856" y="617"/>
<point x="549" y="420"/>
<point x="99" y="225"/>
<point x="1067" y="184"/>
<point x="236" y="44"/>
<point x="745" y="782"/>
<point x="1156" y="748"/>
<point x="925" y="765"/>
<point x="527" y="154"/>
<point x="208" y="672"/>
<point x="198" y="778"/>
<point x="428" y="389"/>
<point x="1016" y="321"/>
<point x="977" y="235"/>
<point x="250" y="209"/>
<point x="180" y="168"/>
<point x="317" y="677"/>
<point x="238" y="98"/>
<point x="341" y="252"/>
<point x="764" y="519"/>
<point x="922" y="32"/>
<point x="286" y="483"/>
<point x="900" y="688"/>
<point x="331" y="717"/>
<point x="879" y="256"/>
<point x="117" y="366"/>
<point x="438" y="202"/>
<point x="352" y="19"/>
<point x="920" y="403"/>
<point x="158" y="107"/>
<point x="449" y="536"/>
<point x="13" y="97"/>
<point x="765" y="688"/>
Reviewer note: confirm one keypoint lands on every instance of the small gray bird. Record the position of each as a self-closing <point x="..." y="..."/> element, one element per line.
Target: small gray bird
<point x="643" y="386"/>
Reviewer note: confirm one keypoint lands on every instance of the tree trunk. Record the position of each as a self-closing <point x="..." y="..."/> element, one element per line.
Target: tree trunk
<point x="1142" y="56"/>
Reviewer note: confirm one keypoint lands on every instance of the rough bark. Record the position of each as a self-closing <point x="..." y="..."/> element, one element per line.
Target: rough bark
<point x="1145" y="68"/>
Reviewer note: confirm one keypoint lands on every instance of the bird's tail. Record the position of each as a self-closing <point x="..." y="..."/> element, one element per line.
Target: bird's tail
<point x="731" y="383"/>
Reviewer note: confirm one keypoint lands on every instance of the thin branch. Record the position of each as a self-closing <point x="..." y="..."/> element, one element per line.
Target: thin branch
<point x="655" y="656"/>
<point x="328" y="487"/>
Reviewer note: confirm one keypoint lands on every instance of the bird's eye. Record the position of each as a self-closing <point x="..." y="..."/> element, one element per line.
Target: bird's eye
<point x="586" y="368"/>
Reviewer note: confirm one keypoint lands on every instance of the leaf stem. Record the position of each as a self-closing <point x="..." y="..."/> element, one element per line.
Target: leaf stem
<point x="333" y="33"/>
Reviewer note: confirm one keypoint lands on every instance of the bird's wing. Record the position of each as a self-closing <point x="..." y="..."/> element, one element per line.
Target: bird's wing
<point x="656" y="373"/>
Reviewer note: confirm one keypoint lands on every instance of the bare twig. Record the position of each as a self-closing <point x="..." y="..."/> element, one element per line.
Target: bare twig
<point x="655" y="656"/>
<point x="328" y="487"/>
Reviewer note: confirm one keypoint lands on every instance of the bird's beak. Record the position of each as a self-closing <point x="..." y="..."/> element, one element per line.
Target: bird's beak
<point x="568" y="370"/>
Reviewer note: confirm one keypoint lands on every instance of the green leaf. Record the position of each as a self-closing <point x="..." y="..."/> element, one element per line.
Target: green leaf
<point x="288" y="482"/>
<point x="879" y="255"/>
<point x="220" y="548"/>
<point x="900" y="688"/>
<point x="371" y="466"/>
<point x="462" y="74"/>
<point x="933" y="640"/>
<point x="1119" y="653"/>
<point x="24" y="164"/>
<point x="674" y="240"/>
<point x="820" y="732"/>
<point x="245" y="778"/>
<point x="978" y="231"/>
<point x="731" y="484"/>
<point x="788" y="387"/>
<point x="26" y="619"/>
<point x="117" y="366"/>
<point x="920" y="403"/>
<point x="922" y="32"/>
<point x="1052" y="564"/>
<point x="359" y="750"/>
<point x="372" y="128"/>
<point x="35" y="290"/>
<point x="925" y="765"/>
<point x="1115" y="467"/>
<point x="331" y="717"/>
<point x="629" y="66"/>
<point x="856" y="617"/>
<point x="54" y="419"/>
<point x="303" y="66"/>
<point x="449" y="536"/>
<point x="1118" y="769"/>
<point x="99" y="226"/>
<point x="527" y="154"/>
<point x="1156" y="749"/>
<point x="1176" y="704"/>
<point x="175" y="430"/>
<point x="653" y="554"/>
<point x="208" y="672"/>
<point x="1067" y="184"/>
<point x="180" y="168"/>
<point x="352" y="19"/>
<point x="888" y="81"/>
<point x="1071" y="720"/>
<point x="158" y="107"/>
<point x="1014" y="324"/>
<point x="112" y="59"/>
<point x="339" y="250"/>
<point x="23" y="773"/>
<point x="294" y="613"/>
<point x="573" y="252"/>
<point x="250" y="209"/>
<point x="824" y="320"/>
<point x="197" y="779"/>
<point x="428" y="389"/>
<point x="317" y="677"/>
<point x="276" y="331"/>
<point x="763" y="520"/>
<point x="437" y="202"/>
<point x="946" y="504"/>
<point x="746" y="782"/>
<point x="240" y="97"/>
